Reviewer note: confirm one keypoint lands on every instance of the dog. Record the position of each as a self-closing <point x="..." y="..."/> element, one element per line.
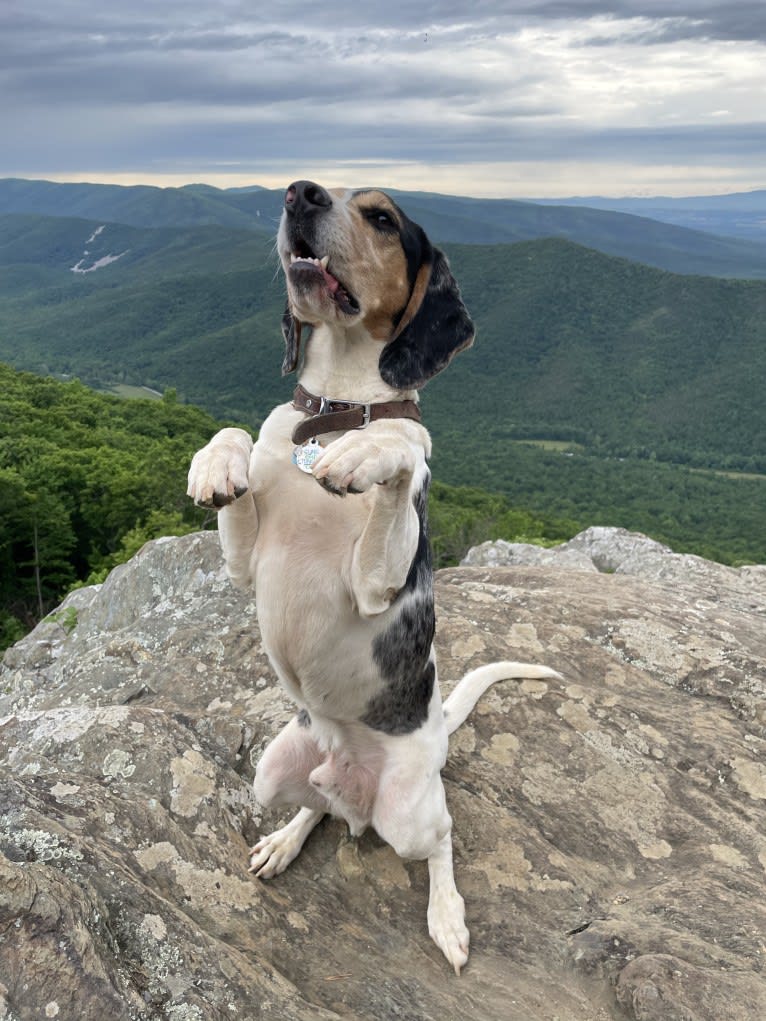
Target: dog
<point x="325" y="515"/>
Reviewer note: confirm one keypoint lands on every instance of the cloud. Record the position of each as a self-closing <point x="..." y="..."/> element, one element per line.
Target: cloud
<point x="175" y="87"/>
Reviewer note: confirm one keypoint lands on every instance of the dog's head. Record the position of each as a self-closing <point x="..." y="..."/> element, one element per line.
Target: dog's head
<point x="355" y="259"/>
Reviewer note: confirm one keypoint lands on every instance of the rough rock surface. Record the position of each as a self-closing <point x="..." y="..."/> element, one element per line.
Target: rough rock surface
<point x="609" y="830"/>
<point x="617" y="551"/>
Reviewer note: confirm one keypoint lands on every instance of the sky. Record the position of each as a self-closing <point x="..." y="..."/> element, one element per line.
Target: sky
<point x="491" y="98"/>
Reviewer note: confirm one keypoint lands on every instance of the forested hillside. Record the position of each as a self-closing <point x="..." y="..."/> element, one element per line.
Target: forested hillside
<point x="83" y="476"/>
<point x="620" y="358"/>
<point x="572" y="345"/>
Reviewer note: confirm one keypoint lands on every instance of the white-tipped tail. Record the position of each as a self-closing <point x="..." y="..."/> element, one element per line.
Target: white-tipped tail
<point x="469" y="690"/>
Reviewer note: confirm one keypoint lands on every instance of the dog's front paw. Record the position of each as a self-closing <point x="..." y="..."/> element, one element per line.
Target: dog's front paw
<point x="354" y="464"/>
<point x="218" y="473"/>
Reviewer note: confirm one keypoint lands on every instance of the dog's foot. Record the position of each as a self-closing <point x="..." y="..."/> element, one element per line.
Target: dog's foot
<point x="272" y="854"/>
<point x="446" y="925"/>
<point x="354" y="464"/>
<point x="218" y="473"/>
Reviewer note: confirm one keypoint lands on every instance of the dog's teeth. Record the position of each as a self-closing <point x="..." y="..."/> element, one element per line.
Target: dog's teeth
<point x="321" y="263"/>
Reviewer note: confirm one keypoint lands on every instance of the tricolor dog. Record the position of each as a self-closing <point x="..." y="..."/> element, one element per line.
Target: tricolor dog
<point x="325" y="515"/>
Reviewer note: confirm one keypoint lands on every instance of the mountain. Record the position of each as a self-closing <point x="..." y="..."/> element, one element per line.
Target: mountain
<point x="446" y="218"/>
<point x="573" y="345"/>
<point x="142" y="205"/>
<point x="174" y="307"/>
<point x="741" y="214"/>
<point x="639" y="238"/>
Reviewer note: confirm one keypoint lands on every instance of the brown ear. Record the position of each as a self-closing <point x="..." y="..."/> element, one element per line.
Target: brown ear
<point x="429" y="334"/>
<point x="291" y="332"/>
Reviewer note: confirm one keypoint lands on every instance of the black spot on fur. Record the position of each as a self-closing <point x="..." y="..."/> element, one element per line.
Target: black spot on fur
<point x="303" y="718"/>
<point x="292" y="329"/>
<point x="420" y="575"/>
<point x="403" y="707"/>
<point x="402" y="652"/>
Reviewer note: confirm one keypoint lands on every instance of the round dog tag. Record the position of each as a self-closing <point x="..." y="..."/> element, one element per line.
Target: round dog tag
<point x="306" y="455"/>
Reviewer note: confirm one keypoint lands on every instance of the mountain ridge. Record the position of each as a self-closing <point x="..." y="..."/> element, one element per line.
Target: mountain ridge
<point x="603" y="351"/>
<point x="739" y="214"/>
<point x="445" y="218"/>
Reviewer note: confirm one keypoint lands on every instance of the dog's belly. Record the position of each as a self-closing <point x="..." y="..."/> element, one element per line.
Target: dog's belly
<point x="318" y="645"/>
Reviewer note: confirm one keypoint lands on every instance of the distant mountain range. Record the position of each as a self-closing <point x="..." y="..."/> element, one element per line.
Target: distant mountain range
<point x="446" y="218"/>
<point x="742" y="214"/>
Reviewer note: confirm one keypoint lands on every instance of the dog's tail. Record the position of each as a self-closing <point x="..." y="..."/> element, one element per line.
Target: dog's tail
<point x="470" y="689"/>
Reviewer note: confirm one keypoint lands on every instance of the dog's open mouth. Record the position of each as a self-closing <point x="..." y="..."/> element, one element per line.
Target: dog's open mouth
<point x="304" y="262"/>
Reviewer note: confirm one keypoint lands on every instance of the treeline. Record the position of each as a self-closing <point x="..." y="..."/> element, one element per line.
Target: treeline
<point x="86" y="479"/>
<point x="713" y="514"/>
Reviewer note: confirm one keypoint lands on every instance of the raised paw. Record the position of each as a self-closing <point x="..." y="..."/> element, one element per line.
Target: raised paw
<point x="446" y="926"/>
<point x="218" y="472"/>
<point x="355" y="463"/>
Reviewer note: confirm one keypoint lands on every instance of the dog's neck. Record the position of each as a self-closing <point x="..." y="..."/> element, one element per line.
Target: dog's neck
<point x="343" y="364"/>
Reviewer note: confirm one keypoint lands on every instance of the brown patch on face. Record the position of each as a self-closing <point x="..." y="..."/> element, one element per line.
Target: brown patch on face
<point x="381" y="282"/>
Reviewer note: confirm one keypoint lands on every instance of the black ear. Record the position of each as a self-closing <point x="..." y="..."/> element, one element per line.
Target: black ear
<point x="428" y="338"/>
<point x="291" y="332"/>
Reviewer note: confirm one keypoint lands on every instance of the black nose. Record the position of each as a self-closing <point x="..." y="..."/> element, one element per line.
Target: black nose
<point x="306" y="197"/>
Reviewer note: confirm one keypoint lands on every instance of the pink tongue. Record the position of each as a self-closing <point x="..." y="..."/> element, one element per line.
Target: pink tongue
<point x="332" y="283"/>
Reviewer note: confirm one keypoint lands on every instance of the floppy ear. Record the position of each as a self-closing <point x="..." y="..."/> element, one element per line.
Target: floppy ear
<point x="291" y="332"/>
<point x="433" y="328"/>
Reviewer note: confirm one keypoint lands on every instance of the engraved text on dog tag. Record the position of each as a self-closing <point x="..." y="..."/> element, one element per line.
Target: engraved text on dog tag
<point x="306" y="454"/>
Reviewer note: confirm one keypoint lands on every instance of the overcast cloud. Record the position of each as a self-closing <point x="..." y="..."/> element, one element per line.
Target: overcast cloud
<point x="536" y="98"/>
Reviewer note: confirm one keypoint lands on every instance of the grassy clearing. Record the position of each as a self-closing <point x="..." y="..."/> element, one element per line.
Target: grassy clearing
<point x="565" y="446"/>
<point x="134" y="392"/>
<point x="729" y="474"/>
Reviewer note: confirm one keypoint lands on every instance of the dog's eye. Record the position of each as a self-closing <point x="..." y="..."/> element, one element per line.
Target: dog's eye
<point x="381" y="219"/>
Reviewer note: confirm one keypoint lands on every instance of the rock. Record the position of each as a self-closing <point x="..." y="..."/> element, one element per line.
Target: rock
<point x="617" y="551"/>
<point x="501" y="553"/>
<point x="609" y="834"/>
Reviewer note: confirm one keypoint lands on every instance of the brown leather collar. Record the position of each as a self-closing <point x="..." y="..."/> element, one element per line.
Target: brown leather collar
<point x="339" y="416"/>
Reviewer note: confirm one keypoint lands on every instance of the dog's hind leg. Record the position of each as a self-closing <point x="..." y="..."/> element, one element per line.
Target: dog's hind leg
<point x="282" y="778"/>
<point x="411" y="814"/>
<point x="273" y="853"/>
<point x="446" y="908"/>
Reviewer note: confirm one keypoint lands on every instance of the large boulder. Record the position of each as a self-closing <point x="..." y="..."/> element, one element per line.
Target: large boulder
<point x="617" y="551"/>
<point x="609" y="828"/>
